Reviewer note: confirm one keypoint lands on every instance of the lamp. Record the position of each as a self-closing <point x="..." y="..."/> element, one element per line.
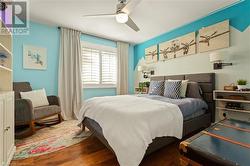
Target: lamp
<point x="121" y="17"/>
<point x="145" y="71"/>
<point x="139" y="68"/>
<point x="217" y="59"/>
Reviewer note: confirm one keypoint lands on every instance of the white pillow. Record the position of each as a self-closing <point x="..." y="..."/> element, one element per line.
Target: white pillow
<point x="183" y="87"/>
<point x="37" y="97"/>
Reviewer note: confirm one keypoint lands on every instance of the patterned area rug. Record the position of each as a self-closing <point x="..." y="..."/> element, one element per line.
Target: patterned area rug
<point x="50" y="139"/>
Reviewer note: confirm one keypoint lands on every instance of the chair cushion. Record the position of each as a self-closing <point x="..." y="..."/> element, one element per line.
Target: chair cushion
<point x="37" y="97"/>
<point x="45" y="111"/>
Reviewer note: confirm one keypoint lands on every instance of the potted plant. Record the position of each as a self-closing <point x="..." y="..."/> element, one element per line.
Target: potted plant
<point x="241" y="84"/>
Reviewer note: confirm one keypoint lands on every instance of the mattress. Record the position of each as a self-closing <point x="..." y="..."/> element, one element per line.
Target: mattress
<point x="190" y="107"/>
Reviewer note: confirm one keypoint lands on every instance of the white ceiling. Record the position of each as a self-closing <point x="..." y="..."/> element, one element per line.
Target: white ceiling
<point x="154" y="17"/>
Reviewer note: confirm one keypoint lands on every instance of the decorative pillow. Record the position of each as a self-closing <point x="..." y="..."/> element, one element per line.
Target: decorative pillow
<point x="194" y="90"/>
<point x="172" y="89"/>
<point x="37" y="97"/>
<point x="183" y="87"/>
<point x="156" y="88"/>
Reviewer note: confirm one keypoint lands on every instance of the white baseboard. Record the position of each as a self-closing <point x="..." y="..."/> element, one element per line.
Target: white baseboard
<point x="13" y="150"/>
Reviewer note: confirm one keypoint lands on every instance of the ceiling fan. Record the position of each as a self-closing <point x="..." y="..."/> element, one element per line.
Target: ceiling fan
<point x="121" y="15"/>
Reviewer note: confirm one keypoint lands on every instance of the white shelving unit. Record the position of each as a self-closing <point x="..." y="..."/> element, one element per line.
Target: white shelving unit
<point x="223" y="97"/>
<point x="6" y="67"/>
<point x="7" y="137"/>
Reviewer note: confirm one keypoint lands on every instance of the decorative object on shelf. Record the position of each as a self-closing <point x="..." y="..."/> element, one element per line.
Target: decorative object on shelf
<point x="236" y="97"/>
<point x="3" y="57"/>
<point x="217" y="58"/>
<point x="34" y="57"/>
<point x="242" y="84"/>
<point x="143" y="88"/>
<point x="232" y="105"/>
<point x="146" y="72"/>
<point x="151" y="54"/>
<point x="182" y="46"/>
<point x="214" y="37"/>
<point x="230" y="87"/>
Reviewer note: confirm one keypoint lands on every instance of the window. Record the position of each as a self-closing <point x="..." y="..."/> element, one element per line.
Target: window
<point x="99" y="65"/>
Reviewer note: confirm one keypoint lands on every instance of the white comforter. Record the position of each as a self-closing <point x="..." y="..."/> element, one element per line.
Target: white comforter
<point x="130" y="123"/>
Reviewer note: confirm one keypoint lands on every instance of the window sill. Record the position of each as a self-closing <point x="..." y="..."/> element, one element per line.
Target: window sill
<point x="99" y="86"/>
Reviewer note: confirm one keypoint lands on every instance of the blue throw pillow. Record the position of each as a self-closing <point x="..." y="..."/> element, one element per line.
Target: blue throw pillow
<point x="156" y="88"/>
<point x="172" y="89"/>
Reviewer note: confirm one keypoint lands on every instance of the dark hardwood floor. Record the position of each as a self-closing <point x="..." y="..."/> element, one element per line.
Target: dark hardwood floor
<point x="91" y="152"/>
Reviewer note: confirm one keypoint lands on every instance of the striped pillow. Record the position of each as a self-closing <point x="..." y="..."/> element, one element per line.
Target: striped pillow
<point x="156" y="88"/>
<point x="172" y="89"/>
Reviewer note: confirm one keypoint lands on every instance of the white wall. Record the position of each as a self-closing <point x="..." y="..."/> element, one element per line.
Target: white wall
<point x="238" y="53"/>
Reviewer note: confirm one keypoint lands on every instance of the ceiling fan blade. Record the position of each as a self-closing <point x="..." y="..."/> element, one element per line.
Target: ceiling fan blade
<point x="129" y="7"/>
<point x="132" y="25"/>
<point x="100" y="15"/>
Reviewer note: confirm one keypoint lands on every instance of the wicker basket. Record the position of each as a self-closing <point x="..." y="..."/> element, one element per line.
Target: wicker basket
<point x="230" y="87"/>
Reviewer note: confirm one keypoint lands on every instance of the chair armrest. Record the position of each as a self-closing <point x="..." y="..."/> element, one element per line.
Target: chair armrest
<point x="53" y="100"/>
<point x="24" y="112"/>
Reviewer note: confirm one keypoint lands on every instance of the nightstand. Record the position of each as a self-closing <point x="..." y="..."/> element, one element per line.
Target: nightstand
<point x="232" y="101"/>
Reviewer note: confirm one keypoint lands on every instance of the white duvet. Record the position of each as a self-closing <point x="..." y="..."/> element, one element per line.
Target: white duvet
<point x="130" y="123"/>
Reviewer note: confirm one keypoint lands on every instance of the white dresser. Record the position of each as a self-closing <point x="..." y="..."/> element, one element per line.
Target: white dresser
<point x="7" y="123"/>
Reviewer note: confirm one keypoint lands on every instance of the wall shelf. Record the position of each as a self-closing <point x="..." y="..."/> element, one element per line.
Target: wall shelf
<point x="234" y="110"/>
<point x="4" y="50"/>
<point x="231" y="100"/>
<point x="222" y="99"/>
<point x="237" y="92"/>
<point x="5" y="68"/>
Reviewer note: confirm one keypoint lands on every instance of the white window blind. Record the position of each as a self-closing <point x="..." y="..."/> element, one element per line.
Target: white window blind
<point x="109" y="67"/>
<point x="90" y="66"/>
<point x="99" y="65"/>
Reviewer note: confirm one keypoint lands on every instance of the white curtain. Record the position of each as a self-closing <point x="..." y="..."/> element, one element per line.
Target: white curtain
<point x="122" y="72"/>
<point x="69" y="79"/>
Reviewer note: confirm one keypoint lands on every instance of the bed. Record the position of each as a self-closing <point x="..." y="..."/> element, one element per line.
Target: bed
<point x="206" y="82"/>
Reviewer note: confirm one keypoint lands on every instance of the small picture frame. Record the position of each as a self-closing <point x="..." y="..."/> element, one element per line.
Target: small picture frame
<point x="34" y="57"/>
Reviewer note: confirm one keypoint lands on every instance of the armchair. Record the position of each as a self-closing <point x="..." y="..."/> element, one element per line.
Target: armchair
<point x="27" y="115"/>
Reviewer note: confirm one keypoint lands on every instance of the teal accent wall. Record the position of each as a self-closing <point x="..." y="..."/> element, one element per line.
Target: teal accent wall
<point x="49" y="37"/>
<point x="238" y="14"/>
<point x="41" y="36"/>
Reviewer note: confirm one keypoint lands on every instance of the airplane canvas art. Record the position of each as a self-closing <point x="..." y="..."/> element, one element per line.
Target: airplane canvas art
<point x="151" y="54"/>
<point x="181" y="46"/>
<point x="214" y="37"/>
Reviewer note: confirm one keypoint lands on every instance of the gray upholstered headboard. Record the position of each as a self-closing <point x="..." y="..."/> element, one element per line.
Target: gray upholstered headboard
<point x="206" y="82"/>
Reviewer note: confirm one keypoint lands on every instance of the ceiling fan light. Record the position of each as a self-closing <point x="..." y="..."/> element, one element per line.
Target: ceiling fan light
<point x="121" y="17"/>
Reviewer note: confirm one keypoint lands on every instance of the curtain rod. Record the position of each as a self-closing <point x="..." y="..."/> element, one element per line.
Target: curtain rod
<point x="94" y="35"/>
<point x="98" y="36"/>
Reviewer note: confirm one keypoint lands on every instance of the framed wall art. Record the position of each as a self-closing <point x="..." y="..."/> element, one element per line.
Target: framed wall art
<point x="214" y="37"/>
<point x="34" y="57"/>
<point x="151" y="54"/>
<point x="181" y="46"/>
